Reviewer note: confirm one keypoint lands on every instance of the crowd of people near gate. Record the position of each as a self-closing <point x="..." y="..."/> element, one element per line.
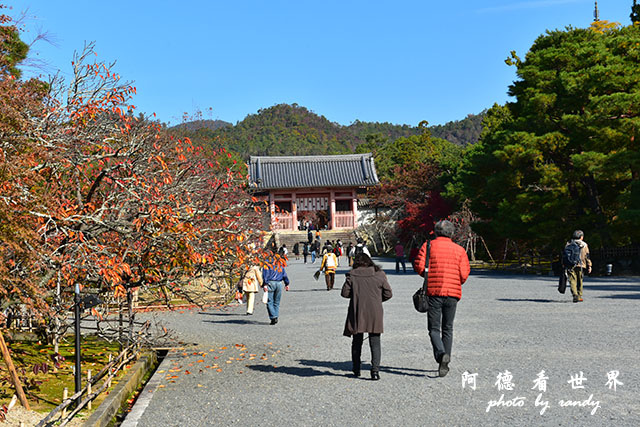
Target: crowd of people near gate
<point x="366" y="286"/>
<point x="314" y="249"/>
<point x="443" y="264"/>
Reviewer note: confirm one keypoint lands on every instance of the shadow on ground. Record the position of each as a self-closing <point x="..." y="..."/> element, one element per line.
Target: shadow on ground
<point x="237" y="322"/>
<point x="316" y="368"/>
<point x="293" y="370"/>
<point x="538" y="300"/>
<point x="338" y="369"/>
<point x="218" y="313"/>
<point x="621" y="296"/>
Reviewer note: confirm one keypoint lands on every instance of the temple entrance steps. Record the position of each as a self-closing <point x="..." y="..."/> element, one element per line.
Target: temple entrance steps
<point x="290" y="238"/>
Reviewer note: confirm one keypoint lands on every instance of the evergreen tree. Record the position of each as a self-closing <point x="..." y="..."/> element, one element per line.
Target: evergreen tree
<point x="564" y="155"/>
<point x="635" y="12"/>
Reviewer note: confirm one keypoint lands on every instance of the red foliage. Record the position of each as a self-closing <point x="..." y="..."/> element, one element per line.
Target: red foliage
<point x="421" y="216"/>
<point x="415" y="191"/>
<point x="95" y="196"/>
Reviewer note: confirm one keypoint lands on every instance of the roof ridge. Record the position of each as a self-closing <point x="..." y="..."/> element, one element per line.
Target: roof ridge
<point x="325" y="157"/>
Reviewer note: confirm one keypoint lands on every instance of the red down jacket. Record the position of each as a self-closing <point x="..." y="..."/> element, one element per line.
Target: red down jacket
<point x="448" y="267"/>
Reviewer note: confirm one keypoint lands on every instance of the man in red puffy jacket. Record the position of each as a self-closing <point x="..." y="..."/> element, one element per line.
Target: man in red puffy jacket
<point x="448" y="270"/>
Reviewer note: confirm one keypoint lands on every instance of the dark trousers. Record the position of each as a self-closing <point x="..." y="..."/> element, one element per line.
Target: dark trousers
<point x="442" y="311"/>
<point x="330" y="279"/>
<point x="400" y="260"/>
<point x="376" y="351"/>
<point x="305" y="257"/>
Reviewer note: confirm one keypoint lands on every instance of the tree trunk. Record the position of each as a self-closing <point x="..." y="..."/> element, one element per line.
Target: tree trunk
<point x="593" y="198"/>
<point x="13" y="373"/>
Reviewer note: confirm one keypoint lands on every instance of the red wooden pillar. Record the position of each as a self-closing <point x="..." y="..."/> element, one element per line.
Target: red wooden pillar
<point x="332" y="209"/>
<point x="272" y="210"/>
<point x="294" y="211"/>
<point x="354" y="201"/>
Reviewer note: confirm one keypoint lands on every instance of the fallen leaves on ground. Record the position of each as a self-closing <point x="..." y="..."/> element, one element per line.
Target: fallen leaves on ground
<point x="241" y="351"/>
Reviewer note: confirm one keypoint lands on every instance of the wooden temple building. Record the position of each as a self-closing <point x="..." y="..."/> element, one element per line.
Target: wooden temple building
<point x="318" y="190"/>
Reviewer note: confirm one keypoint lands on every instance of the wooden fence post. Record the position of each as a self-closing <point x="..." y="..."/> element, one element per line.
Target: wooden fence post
<point x="13" y="373"/>
<point x="89" y="388"/>
<point x="110" y="370"/>
<point x="65" y="395"/>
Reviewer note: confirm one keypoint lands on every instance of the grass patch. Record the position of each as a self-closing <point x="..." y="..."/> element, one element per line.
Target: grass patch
<point x="44" y="390"/>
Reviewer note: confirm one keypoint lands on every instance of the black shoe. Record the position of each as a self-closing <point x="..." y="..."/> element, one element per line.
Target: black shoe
<point x="274" y="320"/>
<point x="375" y="376"/>
<point x="443" y="369"/>
<point x="249" y="314"/>
<point x="356" y="373"/>
<point x="576" y="298"/>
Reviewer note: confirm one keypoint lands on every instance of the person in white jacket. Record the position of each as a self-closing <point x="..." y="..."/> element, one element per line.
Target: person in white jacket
<point x="251" y="282"/>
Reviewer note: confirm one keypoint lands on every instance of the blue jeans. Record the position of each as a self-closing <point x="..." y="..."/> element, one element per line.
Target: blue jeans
<point x="400" y="260"/>
<point x="313" y="256"/>
<point x="442" y="311"/>
<point x="275" y="294"/>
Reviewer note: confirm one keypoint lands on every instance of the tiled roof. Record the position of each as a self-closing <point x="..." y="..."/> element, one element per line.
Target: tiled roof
<point x="351" y="170"/>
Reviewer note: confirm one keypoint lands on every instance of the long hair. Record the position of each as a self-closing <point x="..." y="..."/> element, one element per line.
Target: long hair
<point x="363" y="260"/>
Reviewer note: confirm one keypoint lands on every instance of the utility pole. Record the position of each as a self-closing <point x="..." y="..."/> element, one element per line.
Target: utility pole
<point x="76" y="309"/>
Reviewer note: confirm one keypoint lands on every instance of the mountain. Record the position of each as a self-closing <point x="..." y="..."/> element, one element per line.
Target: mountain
<point x="285" y="129"/>
<point x="461" y="132"/>
<point x="201" y="124"/>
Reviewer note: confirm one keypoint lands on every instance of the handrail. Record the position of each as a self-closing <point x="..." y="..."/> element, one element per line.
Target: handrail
<point x="126" y="355"/>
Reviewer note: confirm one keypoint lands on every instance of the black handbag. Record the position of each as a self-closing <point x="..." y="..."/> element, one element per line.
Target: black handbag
<point x="562" y="282"/>
<point x="420" y="298"/>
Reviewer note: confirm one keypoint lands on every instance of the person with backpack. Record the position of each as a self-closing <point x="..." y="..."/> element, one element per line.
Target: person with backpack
<point x="360" y="248"/>
<point x="348" y="253"/>
<point x="337" y="252"/>
<point x="283" y="251"/>
<point x="575" y="259"/>
<point x="329" y="265"/>
<point x="306" y="250"/>
<point x="315" y="251"/>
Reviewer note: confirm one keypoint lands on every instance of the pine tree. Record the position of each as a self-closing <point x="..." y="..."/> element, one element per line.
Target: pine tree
<point x="635" y="12"/>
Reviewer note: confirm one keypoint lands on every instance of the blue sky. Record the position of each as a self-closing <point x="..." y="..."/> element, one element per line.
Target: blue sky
<point x="399" y="62"/>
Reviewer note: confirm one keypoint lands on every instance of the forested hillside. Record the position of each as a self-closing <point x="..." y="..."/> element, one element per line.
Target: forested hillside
<point x="195" y="125"/>
<point x="461" y="132"/>
<point x="285" y="129"/>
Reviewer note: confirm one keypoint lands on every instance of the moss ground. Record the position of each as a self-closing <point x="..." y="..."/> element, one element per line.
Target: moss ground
<point x="44" y="390"/>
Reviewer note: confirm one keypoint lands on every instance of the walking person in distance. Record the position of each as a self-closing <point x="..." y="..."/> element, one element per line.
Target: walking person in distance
<point x="251" y="283"/>
<point x="329" y="265"/>
<point x="576" y="259"/>
<point x="274" y="278"/>
<point x="367" y="287"/>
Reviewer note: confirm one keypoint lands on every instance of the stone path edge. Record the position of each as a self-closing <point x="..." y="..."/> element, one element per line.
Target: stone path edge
<point x="105" y="413"/>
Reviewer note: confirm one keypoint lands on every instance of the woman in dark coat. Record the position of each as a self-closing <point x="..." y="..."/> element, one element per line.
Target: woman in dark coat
<point x="367" y="287"/>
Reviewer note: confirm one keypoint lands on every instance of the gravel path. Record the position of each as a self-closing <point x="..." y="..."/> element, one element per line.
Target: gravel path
<point x="242" y="371"/>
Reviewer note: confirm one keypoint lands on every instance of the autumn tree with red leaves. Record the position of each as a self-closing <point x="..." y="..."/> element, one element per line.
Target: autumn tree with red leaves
<point x="21" y="186"/>
<point x="97" y="197"/>
<point x="409" y="199"/>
